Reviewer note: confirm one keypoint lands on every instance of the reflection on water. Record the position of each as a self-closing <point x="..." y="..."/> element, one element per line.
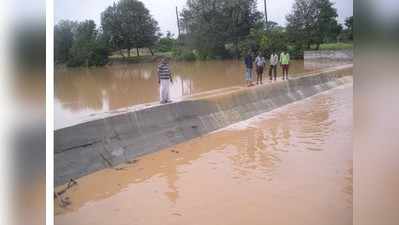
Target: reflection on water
<point x="83" y="92"/>
<point x="289" y="166"/>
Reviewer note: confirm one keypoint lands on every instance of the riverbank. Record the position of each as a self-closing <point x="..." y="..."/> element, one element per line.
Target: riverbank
<point x="336" y="46"/>
<point x="146" y="57"/>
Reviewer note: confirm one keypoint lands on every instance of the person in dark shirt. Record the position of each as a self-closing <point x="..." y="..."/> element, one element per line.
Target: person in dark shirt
<point x="248" y="60"/>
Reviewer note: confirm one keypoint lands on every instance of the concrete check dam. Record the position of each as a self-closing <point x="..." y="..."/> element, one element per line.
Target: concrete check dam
<point x="122" y="136"/>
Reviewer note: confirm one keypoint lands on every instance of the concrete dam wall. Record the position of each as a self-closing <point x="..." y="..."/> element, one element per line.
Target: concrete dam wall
<point x="107" y="142"/>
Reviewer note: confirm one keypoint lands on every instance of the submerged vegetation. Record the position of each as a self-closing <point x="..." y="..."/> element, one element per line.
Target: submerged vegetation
<point x="212" y="29"/>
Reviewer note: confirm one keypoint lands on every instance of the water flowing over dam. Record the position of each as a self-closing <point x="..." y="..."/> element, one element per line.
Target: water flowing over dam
<point x="121" y="136"/>
<point x="292" y="166"/>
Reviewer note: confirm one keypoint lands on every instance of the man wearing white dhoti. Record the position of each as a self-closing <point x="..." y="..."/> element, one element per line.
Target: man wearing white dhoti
<point x="164" y="79"/>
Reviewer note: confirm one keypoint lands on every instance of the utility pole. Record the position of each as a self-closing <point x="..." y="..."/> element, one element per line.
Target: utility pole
<point x="265" y="14"/>
<point x="178" y="23"/>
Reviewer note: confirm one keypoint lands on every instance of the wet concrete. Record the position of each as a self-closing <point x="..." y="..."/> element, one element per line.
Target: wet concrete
<point x="292" y="165"/>
<point x="333" y="55"/>
<point x="82" y="92"/>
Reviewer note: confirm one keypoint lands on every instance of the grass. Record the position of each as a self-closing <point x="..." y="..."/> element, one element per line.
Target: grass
<point x="144" y="57"/>
<point x="336" y="46"/>
<point x="142" y="52"/>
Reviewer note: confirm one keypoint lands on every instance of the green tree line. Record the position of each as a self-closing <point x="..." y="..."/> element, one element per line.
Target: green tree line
<point x="125" y="25"/>
<point x="230" y="28"/>
<point x="210" y="29"/>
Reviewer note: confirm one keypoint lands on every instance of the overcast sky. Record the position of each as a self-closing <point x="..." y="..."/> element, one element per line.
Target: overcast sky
<point x="164" y="10"/>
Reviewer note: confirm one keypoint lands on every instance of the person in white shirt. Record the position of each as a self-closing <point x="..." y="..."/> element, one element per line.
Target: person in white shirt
<point x="273" y="65"/>
<point x="260" y="63"/>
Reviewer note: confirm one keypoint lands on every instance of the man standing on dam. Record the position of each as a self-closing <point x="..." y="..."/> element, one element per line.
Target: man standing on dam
<point x="285" y="62"/>
<point x="248" y="60"/>
<point x="273" y="65"/>
<point x="164" y="79"/>
<point x="260" y="63"/>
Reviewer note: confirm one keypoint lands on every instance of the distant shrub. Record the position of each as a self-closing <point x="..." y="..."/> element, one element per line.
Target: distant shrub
<point x="99" y="56"/>
<point x="75" y="62"/>
<point x="296" y="52"/>
<point x="184" y="54"/>
<point x="202" y="55"/>
<point x="165" y="44"/>
<point x="187" y="56"/>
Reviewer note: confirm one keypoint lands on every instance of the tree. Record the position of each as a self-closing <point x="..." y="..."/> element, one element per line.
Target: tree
<point x="278" y="39"/>
<point x="242" y="15"/>
<point x="312" y="22"/>
<point x="270" y="25"/>
<point x="211" y="24"/>
<point x="63" y="40"/>
<point x="166" y="44"/>
<point x="83" y="43"/>
<point x="300" y="23"/>
<point x="349" y="27"/>
<point x="87" y="48"/>
<point x="128" y="24"/>
<point x="265" y="41"/>
<point x="327" y="27"/>
<point x="101" y="50"/>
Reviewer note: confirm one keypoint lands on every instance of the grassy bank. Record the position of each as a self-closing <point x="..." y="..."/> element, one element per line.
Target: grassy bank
<point x="336" y="46"/>
<point x="144" y="57"/>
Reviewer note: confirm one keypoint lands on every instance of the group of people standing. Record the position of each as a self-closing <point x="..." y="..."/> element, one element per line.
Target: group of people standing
<point x="165" y="75"/>
<point x="260" y="64"/>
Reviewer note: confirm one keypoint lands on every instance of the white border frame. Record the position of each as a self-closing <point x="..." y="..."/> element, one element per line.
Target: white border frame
<point x="49" y="112"/>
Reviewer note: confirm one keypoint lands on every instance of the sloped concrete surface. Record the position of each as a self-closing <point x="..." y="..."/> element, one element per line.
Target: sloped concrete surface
<point x="345" y="54"/>
<point x="107" y="142"/>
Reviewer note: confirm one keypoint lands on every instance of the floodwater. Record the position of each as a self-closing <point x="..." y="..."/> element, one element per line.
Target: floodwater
<point x="82" y="93"/>
<point x="291" y="166"/>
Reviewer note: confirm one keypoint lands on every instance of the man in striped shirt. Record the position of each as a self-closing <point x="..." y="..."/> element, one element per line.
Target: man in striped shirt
<point x="164" y="79"/>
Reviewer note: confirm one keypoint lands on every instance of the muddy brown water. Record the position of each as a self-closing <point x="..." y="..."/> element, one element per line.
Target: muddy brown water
<point x="81" y="93"/>
<point x="289" y="166"/>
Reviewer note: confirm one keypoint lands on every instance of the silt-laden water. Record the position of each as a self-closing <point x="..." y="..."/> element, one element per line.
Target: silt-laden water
<point x="291" y="166"/>
<point x="82" y="93"/>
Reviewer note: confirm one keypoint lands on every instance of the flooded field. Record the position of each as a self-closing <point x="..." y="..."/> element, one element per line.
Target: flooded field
<point x="82" y="92"/>
<point x="289" y="166"/>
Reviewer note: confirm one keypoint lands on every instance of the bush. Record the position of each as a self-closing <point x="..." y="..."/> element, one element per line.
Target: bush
<point x="91" y="55"/>
<point x="296" y="52"/>
<point x="165" y="45"/>
<point x="75" y="62"/>
<point x="187" y="56"/>
<point x="264" y="42"/>
<point x="89" y="48"/>
<point x="247" y="45"/>
<point x="99" y="56"/>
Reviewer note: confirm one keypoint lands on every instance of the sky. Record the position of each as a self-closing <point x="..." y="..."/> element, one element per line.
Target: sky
<point x="164" y="11"/>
